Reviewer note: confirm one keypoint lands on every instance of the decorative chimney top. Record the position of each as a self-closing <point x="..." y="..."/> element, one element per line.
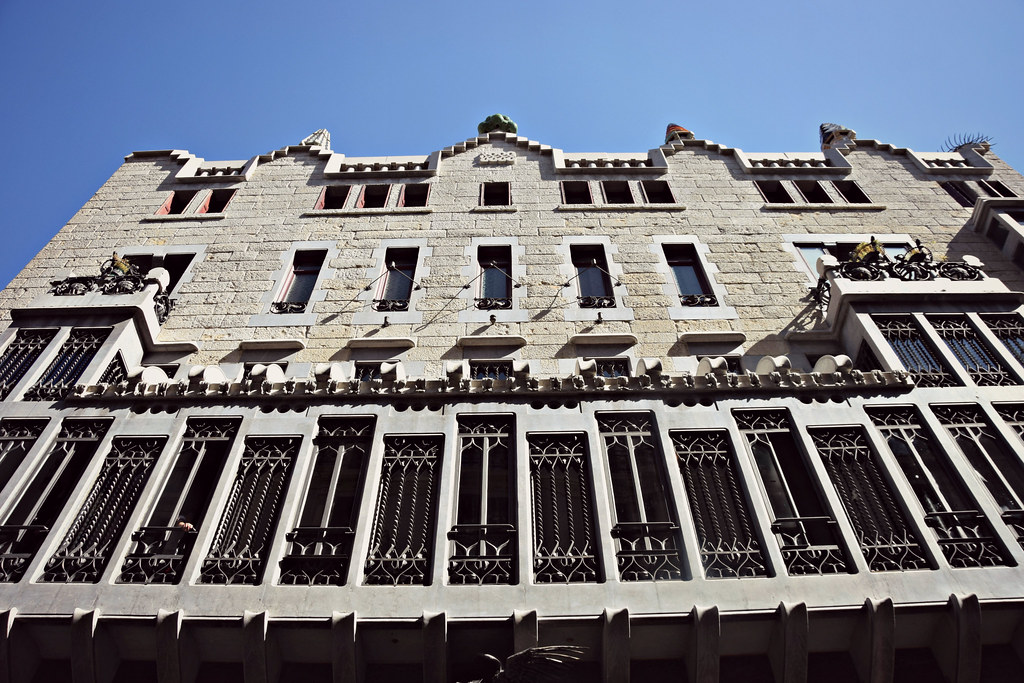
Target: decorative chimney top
<point x="497" y="122"/>
<point x="321" y="138"/>
<point x="676" y="132"/>
<point x="833" y="134"/>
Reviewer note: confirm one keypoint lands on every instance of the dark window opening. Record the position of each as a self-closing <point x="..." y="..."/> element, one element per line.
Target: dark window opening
<point x="866" y="359"/>
<point x="399" y="279"/>
<point x="177" y="202"/>
<point x="591" y="270"/>
<point x="994" y="188"/>
<point x="16" y="439"/>
<point x="611" y="367"/>
<point x="688" y="273"/>
<point x="495" y="194"/>
<point x="576" y="192"/>
<point x="216" y="202"/>
<point x="374" y="197"/>
<point x="813" y="192"/>
<point x="960" y="191"/>
<point x="851" y="191"/>
<point x="176" y="265"/>
<point x="997" y="233"/>
<point x="414" y="195"/>
<point x="496" y="267"/>
<point x="333" y="197"/>
<point x="616" y="192"/>
<point x="367" y="372"/>
<point x="1018" y="256"/>
<point x="490" y="369"/>
<point x="773" y="191"/>
<point x="299" y="284"/>
<point x="657" y="192"/>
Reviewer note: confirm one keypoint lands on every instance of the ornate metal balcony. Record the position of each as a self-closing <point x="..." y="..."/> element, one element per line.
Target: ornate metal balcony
<point x="18" y="545"/>
<point x="648" y="551"/>
<point x="117" y="276"/>
<point x="698" y="300"/>
<point x="288" y="307"/>
<point x="482" y="554"/>
<point x="159" y="555"/>
<point x="390" y="305"/>
<point x="800" y="555"/>
<point x="494" y="303"/>
<point x="318" y="556"/>
<point x="596" y="301"/>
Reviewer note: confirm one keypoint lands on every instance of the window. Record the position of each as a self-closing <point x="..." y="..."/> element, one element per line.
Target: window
<point x="20" y="355"/>
<point x="64" y="371"/>
<point x="495" y="194"/>
<point x="997" y="233"/>
<point x="616" y="192"/>
<point x="398" y="281"/>
<point x="216" y="201"/>
<point x="16" y="439"/>
<point x="490" y="369"/>
<point x="915" y="352"/>
<point x="813" y="192"/>
<point x="982" y="364"/>
<point x="414" y="195"/>
<point x="368" y="371"/>
<point x="483" y="538"/>
<point x="321" y="545"/>
<point x="162" y="547"/>
<point x="177" y="202"/>
<point x="374" y="197"/>
<point x="960" y="191"/>
<point x="1009" y="329"/>
<point x="333" y="197"/>
<point x="611" y="367"/>
<point x="841" y="248"/>
<point x="773" y="191"/>
<point x="657" y="192"/>
<point x="176" y="264"/>
<point x="595" y="285"/>
<point x="646" y="529"/>
<point x="689" y="275"/>
<point x="576" y="192"/>
<point x="495" y="277"/>
<point x="994" y="188"/>
<point x="299" y="284"/>
<point x="116" y="371"/>
<point x="851" y="192"/>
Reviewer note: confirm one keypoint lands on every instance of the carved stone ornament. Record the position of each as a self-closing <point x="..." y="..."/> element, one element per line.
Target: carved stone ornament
<point x="497" y="157"/>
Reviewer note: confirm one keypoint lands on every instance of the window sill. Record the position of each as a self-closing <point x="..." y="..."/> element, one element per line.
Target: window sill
<point x="824" y="207"/>
<point x="272" y="345"/>
<point x="494" y="209"/>
<point x="491" y="340"/>
<point x="594" y="338"/>
<point x="621" y="207"/>
<point x="368" y="212"/>
<point x="184" y="217"/>
<point x="724" y="336"/>
<point x="381" y="343"/>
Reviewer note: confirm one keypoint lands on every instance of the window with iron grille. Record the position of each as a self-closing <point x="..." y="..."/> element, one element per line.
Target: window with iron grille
<point x="402" y="540"/>
<point x="16" y="439"/>
<point x="41" y="502"/>
<point x="116" y="372"/>
<point x="495" y="277"/>
<point x="1010" y="331"/>
<point x="398" y="281"/>
<point x="238" y="553"/>
<point x="915" y="352"/>
<point x="803" y="525"/>
<point x="367" y="371"/>
<point x="964" y="533"/>
<point x="490" y="369"/>
<point x="85" y="551"/>
<point x="993" y="460"/>
<point x="611" y="367"/>
<point x="595" y="284"/>
<point x="982" y="364"/>
<point x="688" y="271"/>
<point x="1013" y="415"/>
<point x="885" y="538"/>
<point x="19" y="356"/>
<point x="483" y="540"/>
<point x="564" y="545"/>
<point x="60" y="377"/>
<point x="320" y="549"/>
<point x="162" y="547"/>
<point x="729" y="546"/>
<point x="300" y="281"/>
<point x="646" y="528"/>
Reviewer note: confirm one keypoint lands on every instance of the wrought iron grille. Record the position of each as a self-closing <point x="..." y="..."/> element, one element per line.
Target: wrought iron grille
<point x="320" y="549"/>
<point x="882" y="531"/>
<point x="83" y="554"/>
<point x="238" y="553"/>
<point x="596" y="301"/>
<point x="646" y="528"/>
<point x="16" y="439"/>
<point x="63" y="372"/>
<point x="698" y="300"/>
<point x="499" y="369"/>
<point x="402" y="541"/>
<point x="992" y="459"/>
<point x="1010" y="330"/>
<point x="909" y="344"/>
<point x="390" y="305"/>
<point x="288" y="306"/>
<point x="493" y="303"/>
<point x="42" y="501"/>
<point x="19" y="356"/>
<point x="611" y="367"/>
<point x="964" y="534"/>
<point x="804" y="527"/>
<point x="984" y="366"/>
<point x="728" y="545"/>
<point x="483" y="540"/>
<point x="564" y="549"/>
<point x="1013" y="415"/>
<point x="116" y="372"/>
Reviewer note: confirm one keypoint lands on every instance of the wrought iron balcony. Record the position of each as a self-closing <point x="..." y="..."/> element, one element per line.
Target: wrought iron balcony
<point x="698" y="300"/>
<point x="966" y="538"/>
<point x="494" y="303"/>
<point x="117" y="276"/>
<point x="18" y="545"/>
<point x="1015" y="520"/>
<point x="390" y="305"/>
<point x="800" y="554"/>
<point x="482" y="554"/>
<point x="648" y="551"/>
<point x="734" y="559"/>
<point x="159" y="555"/>
<point x="288" y="307"/>
<point x="317" y="556"/>
<point x="596" y="301"/>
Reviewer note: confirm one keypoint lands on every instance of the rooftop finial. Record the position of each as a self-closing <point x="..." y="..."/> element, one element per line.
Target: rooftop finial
<point x="675" y="132"/>
<point x="955" y="142"/>
<point x="833" y="134"/>
<point x="497" y="122"/>
<point x="321" y="138"/>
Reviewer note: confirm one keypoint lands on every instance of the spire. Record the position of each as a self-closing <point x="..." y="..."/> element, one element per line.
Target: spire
<point x="321" y="138"/>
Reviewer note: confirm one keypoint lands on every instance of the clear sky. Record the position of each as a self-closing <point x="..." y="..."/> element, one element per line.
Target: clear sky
<point x="85" y="83"/>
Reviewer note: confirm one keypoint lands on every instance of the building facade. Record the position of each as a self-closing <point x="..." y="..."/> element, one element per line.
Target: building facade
<point x="708" y="415"/>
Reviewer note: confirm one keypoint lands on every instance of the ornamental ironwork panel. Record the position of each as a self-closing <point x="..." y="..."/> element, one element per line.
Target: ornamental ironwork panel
<point x="320" y="547"/>
<point x="117" y="276"/>
<point x="83" y="554"/>
<point x="497" y="369"/>
<point x="42" y="501"/>
<point x="390" y="305"/>
<point x="288" y="306"/>
<point x="1010" y="331"/>
<point x="646" y="529"/>
<point x="698" y="300"/>
<point x="611" y="367"/>
<point x="16" y="439"/>
<point x="916" y="354"/>
<point x="805" y="528"/>
<point x="984" y="366"/>
<point x="729" y="546"/>
<point x="74" y="357"/>
<point x="1013" y="415"/>
<point x="493" y="303"/>
<point x="238" y="553"/>
<point x="884" y="536"/>
<point x="992" y="459"/>
<point x="402" y="542"/>
<point x="483" y="539"/>
<point x="564" y="547"/>
<point x="596" y="301"/>
<point x="116" y="372"/>
<point x="964" y="533"/>
<point x="19" y="356"/>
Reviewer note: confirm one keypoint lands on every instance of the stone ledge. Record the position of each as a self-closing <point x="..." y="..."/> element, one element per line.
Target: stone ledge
<point x="824" y="207"/>
<point x="620" y="207"/>
<point x="272" y="344"/>
<point x="184" y="217"/>
<point x="491" y="340"/>
<point x="494" y="209"/>
<point x="367" y="212"/>
<point x="731" y="336"/>
<point x="381" y="343"/>
<point x="595" y="338"/>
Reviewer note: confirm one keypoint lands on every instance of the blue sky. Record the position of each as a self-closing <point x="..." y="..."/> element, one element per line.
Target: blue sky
<point x="85" y="84"/>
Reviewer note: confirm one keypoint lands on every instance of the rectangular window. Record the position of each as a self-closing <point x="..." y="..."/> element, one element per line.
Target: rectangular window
<point x="16" y="439"/>
<point x="851" y="192"/>
<point x="177" y="202"/>
<point x="20" y="355"/>
<point x="64" y="371"/>
<point x="914" y="351"/>
<point x="806" y="530"/>
<point x="611" y="367"/>
<point x="320" y="547"/>
<point x="982" y="364"/>
<point x="813" y="192"/>
<point x="399" y="279"/>
<point x="414" y="195"/>
<point x="646" y="529"/>
<point x="1010" y="331"/>
<point x="657" y="192"/>
<point x="216" y="201"/>
<point x="773" y="191"/>
<point x="576" y="192"/>
<point x="367" y="371"/>
<point x="495" y="194"/>
<point x="689" y="275"/>
<point x="994" y="188"/>
<point x="175" y="265"/>
<point x="616" y="192"/>
<point x="483" y="538"/>
<point x="595" y="285"/>
<point x="300" y="282"/>
<point x="495" y="277"/>
<point x="333" y="197"/>
<point x="960" y="191"/>
<point x="997" y="233"/>
<point x="374" y="197"/>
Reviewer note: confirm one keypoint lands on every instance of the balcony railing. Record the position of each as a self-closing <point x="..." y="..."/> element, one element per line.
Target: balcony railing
<point x="18" y="545"/>
<point x="317" y="556"/>
<point x="801" y="554"/>
<point x="482" y="554"/>
<point x="390" y="305"/>
<point x="159" y="555"/>
<point x="493" y="303"/>
<point x="648" y="551"/>
<point x="966" y="538"/>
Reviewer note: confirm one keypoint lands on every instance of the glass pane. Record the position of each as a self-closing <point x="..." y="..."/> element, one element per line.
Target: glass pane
<point x="593" y="282"/>
<point x="319" y="485"/>
<point x="497" y="486"/>
<point x="495" y="284"/>
<point x="399" y="284"/>
<point x="302" y="286"/>
<point x="471" y="483"/>
<point x="811" y="254"/>
<point x="627" y="507"/>
<point x="688" y="280"/>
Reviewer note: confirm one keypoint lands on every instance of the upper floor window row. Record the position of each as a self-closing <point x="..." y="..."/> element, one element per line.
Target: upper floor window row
<point x="196" y="202"/>
<point x="336" y="197"/>
<point x="811" y="192"/>
<point x="967" y="193"/>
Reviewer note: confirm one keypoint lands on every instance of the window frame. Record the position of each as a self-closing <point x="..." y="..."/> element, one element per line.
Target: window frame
<point x="471" y="272"/>
<point x="670" y="287"/>
<point x="281" y="278"/>
<point x="793" y="242"/>
<point x="284" y="293"/>
<point x="402" y="196"/>
<point x="495" y="184"/>
<point x="375" y="282"/>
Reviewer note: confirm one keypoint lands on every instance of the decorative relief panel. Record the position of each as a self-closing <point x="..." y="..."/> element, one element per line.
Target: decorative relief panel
<point x="497" y="157"/>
